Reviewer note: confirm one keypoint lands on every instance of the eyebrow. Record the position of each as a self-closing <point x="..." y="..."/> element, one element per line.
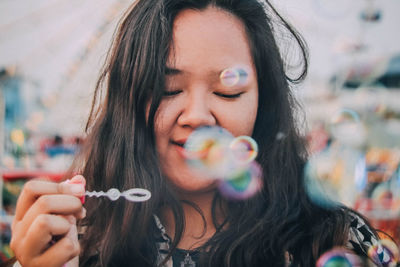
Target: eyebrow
<point x="172" y="71"/>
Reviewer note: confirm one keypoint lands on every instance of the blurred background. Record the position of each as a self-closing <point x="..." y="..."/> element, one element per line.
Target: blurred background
<point x="51" y="52"/>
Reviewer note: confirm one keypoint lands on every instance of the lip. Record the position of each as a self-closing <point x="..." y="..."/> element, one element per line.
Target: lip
<point x="179" y="142"/>
<point x="181" y="151"/>
<point x="179" y="145"/>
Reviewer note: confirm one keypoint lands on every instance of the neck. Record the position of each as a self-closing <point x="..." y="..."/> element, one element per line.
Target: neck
<point x="198" y="229"/>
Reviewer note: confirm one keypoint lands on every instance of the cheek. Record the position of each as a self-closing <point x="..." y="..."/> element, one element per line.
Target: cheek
<point x="241" y="117"/>
<point x="165" y="123"/>
<point x="250" y="112"/>
<point x="165" y="117"/>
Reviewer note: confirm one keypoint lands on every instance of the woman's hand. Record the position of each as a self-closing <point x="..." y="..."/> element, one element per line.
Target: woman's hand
<point x="44" y="228"/>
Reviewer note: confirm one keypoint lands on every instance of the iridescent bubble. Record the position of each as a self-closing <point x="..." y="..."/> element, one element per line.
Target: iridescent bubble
<point x="234" y="76"/>
<point x="335" y="176"/>
<point x="244" y="184"/>
<point x="338" y="257"/>
<point x="244" y="148"/>
<point x="384" y="253"/>
<point x="392" y="249"/>
<point x="207" y="150"/>
<point x="346" y="128"/>
<point x="218" y="155"/>
<point x="345" y="116"/>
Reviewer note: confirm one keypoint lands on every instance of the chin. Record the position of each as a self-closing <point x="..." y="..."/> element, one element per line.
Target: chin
<point x="195" y="186"/>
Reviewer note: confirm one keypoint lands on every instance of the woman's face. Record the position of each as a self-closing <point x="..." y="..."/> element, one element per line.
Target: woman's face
<point x="204" y="44"/>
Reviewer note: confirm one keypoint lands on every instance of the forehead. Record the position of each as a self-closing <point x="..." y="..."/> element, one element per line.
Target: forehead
<point x="211" y="39"/>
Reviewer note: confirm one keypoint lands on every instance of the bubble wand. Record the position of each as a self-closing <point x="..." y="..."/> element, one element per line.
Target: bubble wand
<point x="133" y="194"/>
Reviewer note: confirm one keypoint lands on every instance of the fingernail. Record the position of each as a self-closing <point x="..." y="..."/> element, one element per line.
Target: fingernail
<point x="82" y="198"/>
<point x="78" y="179"/>
<point x="77" y="189"/>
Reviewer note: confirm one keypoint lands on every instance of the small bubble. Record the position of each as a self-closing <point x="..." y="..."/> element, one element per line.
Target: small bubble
<point x="392" y="249"/>
<point x="234" y="76"/>
<point x="345" y="116"/>
<point x="346" y="128"/>
<point x="384" y="253"/>
<point x="338" y="257"/>
<point x="244" y="184"/>
<point x="244" y="148"/>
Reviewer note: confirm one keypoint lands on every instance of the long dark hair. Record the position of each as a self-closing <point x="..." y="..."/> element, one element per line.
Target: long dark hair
<point x="120" y="151"/>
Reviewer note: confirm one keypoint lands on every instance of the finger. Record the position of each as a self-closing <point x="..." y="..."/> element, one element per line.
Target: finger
<point x="47" y="204"/>
<point x="34" y="189"/>
<point x="63" y="250"/>
<point x="73" y="235"/>
<point x="30" y="192"/>
<point x="42" y="230"/>
<point x="52" y="204"/>
<point x="58" y="254"/>
<point x="78" y="179"/>
<point x="73" y="263"/>
<point x="82" y="214"/>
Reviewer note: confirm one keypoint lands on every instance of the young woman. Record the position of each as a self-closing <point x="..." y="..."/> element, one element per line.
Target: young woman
<point x="162" y="83"/>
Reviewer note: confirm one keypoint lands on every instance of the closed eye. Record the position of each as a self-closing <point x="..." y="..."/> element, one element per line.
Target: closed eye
<point x="230" y="96"/>
<point x="172" y="93"/>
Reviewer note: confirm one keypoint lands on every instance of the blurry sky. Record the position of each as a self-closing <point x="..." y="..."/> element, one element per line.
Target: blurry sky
<point x="58" y="46"/>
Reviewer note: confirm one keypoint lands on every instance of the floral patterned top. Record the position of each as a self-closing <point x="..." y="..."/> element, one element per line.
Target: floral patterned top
<point x="361" y="239"/>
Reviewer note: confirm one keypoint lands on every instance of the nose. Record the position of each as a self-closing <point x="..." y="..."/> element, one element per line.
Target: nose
<point x="197" y="112"/>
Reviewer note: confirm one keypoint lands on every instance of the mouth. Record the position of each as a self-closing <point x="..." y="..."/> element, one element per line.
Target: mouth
<point x="180" y="143"/>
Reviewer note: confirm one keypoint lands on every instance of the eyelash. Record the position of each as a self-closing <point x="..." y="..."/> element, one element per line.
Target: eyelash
<point x="229" y="96"/>
<point x="176" y="92"/>
<point x="172" y="93"/>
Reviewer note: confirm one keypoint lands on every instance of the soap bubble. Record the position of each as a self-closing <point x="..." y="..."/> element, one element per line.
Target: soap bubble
<point x="338" y="257"/>
<point x="335" y="176"/>
<point x="244" y="148"/>
<point x="339" y="172"/>
<point x="208" y="151"/>
<point x="385" y="252"/>
<point x="218" y="155"/>
<point x="244" y="184"/>
<point x="234" y="76"/>
<point x="346" y="128"/>
<point x="392" y="249"/>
